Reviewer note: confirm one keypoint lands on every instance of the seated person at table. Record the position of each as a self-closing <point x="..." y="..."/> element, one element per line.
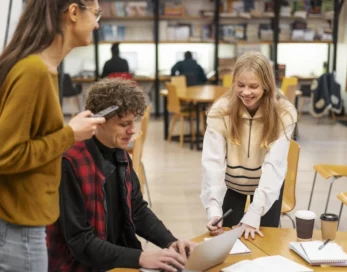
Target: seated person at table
<point x="101" y="204"/>
<point x="116" y="64"/>
<point x="191" y="69"/>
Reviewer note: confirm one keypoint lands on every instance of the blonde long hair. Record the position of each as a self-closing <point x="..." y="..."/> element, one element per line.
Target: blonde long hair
<point x="258" y="64"/>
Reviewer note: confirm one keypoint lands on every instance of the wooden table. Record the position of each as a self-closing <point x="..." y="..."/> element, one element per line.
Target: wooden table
<point x="276" y="242"/>
<point x="196" y="95"/>
<point x="231" y="259"/>
<point x="136" y="78"/>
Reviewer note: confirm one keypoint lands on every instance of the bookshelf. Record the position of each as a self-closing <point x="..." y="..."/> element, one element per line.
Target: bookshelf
<point x="153" y="15"/>
<point x="127" y="18"/>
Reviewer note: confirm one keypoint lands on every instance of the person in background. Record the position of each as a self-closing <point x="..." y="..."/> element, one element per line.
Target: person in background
<point x="102" y="207"/>
<point x="191" y="69"/>
<point x="32" y="132"/>
<point x="116" y="64"/>
<point x="245" y="149"/>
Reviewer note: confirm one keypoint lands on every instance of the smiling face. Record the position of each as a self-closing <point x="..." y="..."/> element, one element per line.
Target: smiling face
<point x="249" y="89"/>
<point x="117" y="131"/>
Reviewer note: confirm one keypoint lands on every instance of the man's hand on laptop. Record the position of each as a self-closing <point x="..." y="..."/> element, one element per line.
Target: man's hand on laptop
<point x="215" y="230"/>
<point x="166" y="259"/>
<point x="183" y="247"/>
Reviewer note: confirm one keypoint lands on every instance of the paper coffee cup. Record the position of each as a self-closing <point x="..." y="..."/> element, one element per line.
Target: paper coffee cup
<point x="329" y="223"/>
<point x="304" y="224"/>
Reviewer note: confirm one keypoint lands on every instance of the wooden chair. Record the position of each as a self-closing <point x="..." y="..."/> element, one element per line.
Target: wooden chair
<point x="141" y="171"/>
<point x="343" y="198"/>
<point x="328" y="171"/>
<point x="180" y="82"/>
<point x="73" y="93"/>
<point x="227" y="80"/>
<point x="290" y="93"/>
<point x="288" y="200"/>
<point x="287" y="81"/>
<point x="136" y="155"/>
<point x="174" y="107"/>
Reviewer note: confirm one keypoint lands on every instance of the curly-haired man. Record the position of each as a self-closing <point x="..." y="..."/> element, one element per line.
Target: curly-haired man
<point x="102" y="208"/>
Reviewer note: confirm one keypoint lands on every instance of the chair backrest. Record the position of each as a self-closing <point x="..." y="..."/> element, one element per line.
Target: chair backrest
<point x="290" y="93"/>
<point x="227" y="80"/>
<point x="191" y="79"/>
<point x="124" y="75"/>
<point x="290" y="182"/>
<point x="136" y="155"/>
<point x="173" y="102"/>
<point x="342" y="197"/>
<point x="179" y="81"/>
<point x="68" y="88"/>
<point x="287" y="81"/>
<point x="144" y="125"/>
<point x="289" y="199"/>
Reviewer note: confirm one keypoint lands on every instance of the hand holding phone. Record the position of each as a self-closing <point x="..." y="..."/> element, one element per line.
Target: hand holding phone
<point x="105" y="112"/>
<point x="83" y="126"/>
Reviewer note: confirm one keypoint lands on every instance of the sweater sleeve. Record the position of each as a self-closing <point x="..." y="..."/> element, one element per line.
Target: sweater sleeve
<point x="213" y="172"/>
<point x="274" y="171"/>
<point x="25" y="99"/>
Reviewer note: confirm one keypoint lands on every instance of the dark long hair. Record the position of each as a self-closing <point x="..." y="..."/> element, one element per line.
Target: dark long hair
<point x="39" y="24"/>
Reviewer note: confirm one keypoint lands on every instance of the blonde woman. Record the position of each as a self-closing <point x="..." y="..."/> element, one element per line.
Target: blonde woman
<point x="245" y="149"/>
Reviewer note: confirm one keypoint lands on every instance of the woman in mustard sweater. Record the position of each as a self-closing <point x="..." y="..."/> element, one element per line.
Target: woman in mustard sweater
<point x="32" y="132"/>
<point x="245" y="149"/>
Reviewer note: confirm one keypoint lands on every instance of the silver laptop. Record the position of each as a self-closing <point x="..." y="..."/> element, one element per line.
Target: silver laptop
<point x="209" y="253"/>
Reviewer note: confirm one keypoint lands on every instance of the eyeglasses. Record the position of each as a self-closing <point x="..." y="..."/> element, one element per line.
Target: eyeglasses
<point x="97" y="12"/>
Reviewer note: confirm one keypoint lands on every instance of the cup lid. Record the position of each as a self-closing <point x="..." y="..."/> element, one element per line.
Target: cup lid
<point x="305" y="214"/>
<point x="329" y="217"/>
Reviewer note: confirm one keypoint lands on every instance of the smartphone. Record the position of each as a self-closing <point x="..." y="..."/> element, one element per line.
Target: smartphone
<point x="106" y="111"/>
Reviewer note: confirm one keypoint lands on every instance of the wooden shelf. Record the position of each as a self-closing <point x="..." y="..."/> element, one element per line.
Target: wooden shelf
<point x="128" y="18"/>
<point x="126" y="41"/>
<point x="309" y="17"/>
<point x="254" y="42"/>
<point x="185" y="41"/>
<point x="293" y="41"/>
<point x="221" y="42"/>
<point x="169" y="17"/>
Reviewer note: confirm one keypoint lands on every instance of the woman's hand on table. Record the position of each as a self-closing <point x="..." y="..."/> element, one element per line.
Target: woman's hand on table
<point x="249" y="232"/>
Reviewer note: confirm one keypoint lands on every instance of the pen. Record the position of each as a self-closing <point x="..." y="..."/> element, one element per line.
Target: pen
<point x="323" y="245"/>
<point x="220" y="219"/>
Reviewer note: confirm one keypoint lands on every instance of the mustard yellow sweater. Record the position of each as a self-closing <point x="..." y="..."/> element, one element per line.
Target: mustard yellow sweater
<point x="32" y="140"/>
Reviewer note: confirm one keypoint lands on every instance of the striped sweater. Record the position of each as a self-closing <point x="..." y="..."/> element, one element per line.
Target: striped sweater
<point x="244" y="161"/>
<point x="247" y="168"/>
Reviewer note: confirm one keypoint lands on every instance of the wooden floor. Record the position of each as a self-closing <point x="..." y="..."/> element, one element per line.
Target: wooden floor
<point x="174" y="176"/>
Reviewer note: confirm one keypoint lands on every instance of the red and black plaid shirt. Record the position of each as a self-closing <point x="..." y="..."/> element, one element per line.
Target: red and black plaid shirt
<point x="60" y="256"/>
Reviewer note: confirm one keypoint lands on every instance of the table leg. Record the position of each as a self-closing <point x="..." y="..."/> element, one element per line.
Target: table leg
<point x="166" y="119"/>
<point x="191" y="128"/>
<point x="197" y="137"/>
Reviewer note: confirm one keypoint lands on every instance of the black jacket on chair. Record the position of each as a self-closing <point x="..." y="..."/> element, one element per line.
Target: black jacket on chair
<point x="68" y="88"/>
<point x="326" y="95"/>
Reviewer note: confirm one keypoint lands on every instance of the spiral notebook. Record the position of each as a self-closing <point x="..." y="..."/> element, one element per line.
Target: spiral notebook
<point x="332" y="254"/>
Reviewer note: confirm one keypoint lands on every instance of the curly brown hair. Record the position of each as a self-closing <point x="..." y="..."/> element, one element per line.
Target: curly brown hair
<point x="116" y="92"/>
